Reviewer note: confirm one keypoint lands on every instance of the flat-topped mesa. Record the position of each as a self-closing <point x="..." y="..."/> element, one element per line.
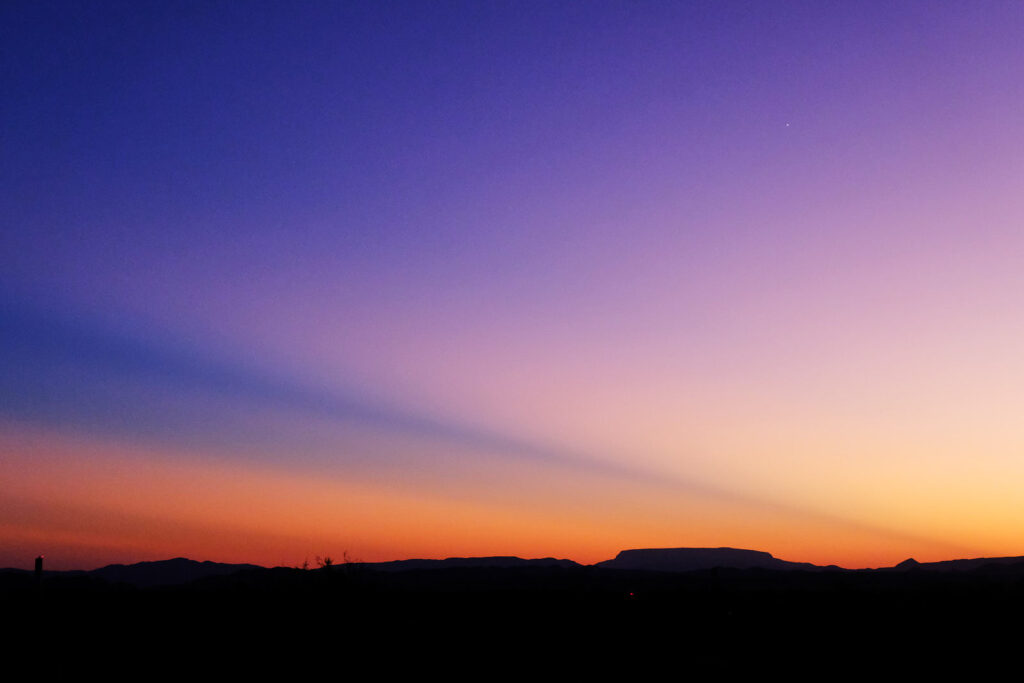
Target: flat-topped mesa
<point x="693" y="559"/>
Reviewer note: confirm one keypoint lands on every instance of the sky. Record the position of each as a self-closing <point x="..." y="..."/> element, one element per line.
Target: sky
<point x="383" y="280"/>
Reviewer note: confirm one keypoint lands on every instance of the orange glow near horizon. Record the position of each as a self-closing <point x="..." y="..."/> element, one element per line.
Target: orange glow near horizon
<point x="109" y="503"/>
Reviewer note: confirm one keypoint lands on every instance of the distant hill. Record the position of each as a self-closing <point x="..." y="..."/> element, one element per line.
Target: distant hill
<point x="503" y="562"/>
<point x="166" y="572"/>
<point x="693" y="559"/>
<point x="970" y="565"/>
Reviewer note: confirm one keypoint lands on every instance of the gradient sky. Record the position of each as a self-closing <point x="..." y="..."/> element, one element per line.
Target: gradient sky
<point x="423" y="279"/>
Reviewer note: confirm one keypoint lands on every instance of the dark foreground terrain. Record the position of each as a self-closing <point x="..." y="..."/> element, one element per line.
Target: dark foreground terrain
<point x="507" y="614"/>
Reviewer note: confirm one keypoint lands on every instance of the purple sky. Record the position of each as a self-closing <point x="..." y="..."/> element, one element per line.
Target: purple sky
<point x="759" y="252"/>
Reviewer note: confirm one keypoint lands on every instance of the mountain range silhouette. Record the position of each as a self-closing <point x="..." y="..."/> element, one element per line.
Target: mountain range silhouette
<point x="180" y="570"/>
<point x="714" y="603"/>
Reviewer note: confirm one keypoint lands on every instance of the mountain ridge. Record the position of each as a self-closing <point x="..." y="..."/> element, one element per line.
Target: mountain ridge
<point x="180" y="570"/>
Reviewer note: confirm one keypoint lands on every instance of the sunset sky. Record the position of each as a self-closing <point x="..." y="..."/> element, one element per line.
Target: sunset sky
<point x="431" y="279"/>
